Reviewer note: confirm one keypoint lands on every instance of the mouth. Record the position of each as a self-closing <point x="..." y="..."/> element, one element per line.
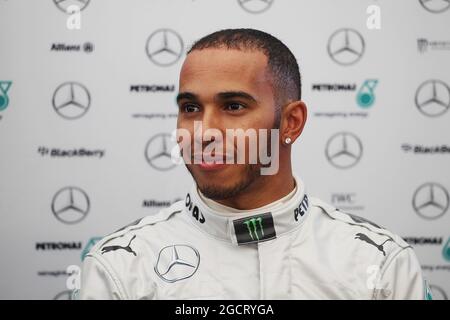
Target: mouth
<point x="211" y="166"/>
<point x="218" y="161"/>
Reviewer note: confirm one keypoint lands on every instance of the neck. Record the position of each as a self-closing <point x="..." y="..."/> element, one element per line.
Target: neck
<point x="264" y="190"/>
<point x="276" y="220"/>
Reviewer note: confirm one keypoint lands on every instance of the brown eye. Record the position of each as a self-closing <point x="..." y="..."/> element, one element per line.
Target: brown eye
<point x="190" y="108"/>
<point x="235" y="106"/>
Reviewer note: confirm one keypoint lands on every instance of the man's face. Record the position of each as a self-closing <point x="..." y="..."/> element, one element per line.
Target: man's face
<point x="225" y="89"/>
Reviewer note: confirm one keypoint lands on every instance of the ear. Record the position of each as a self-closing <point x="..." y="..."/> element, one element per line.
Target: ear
<point x="293" y="121"/>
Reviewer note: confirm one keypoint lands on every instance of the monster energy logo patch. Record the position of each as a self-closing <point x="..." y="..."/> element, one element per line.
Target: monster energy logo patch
<point x="254" y="228"/>
<point x="253" y="225"/>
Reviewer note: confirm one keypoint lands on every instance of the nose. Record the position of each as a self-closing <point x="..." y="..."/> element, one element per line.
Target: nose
<point x="211" y="118"/>
<point x="210" y="126"/>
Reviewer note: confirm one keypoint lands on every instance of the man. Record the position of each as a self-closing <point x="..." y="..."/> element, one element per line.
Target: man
<point x="241" y="233"/>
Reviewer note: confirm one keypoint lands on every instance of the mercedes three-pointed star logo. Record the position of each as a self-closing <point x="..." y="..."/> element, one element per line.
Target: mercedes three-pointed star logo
<point x="177" y="262"/>
<point x="344" y="150"/>
<point x="430" y="200"/>
<point x="71" y="100"/>
<point x="158" y="152"/>
<point x="164" y="47"/>
<point x="70" y="205"/>
<point x="433" y="98"/>
<point x="64" y="5"/>
<point x="435" y="6"/>
<point x="255" y="6"/>
<point x="346" y="46"/>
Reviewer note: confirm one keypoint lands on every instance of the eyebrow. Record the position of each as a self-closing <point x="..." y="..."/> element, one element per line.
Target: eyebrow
<point x="186" y="95"/>
<point x="219" y="96"/>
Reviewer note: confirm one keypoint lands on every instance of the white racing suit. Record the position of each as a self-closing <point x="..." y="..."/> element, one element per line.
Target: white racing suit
<point x="304" y="249"/>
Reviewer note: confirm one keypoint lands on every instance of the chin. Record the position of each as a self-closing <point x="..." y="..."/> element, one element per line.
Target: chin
<point x="219" y="178"/>
<point x="215" y="191"/>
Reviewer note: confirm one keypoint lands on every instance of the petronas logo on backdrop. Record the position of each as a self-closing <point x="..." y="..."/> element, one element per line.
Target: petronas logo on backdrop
<point x="366" y="96"/>
<point x="4" y="99"/>
<point x="446" y="250"/>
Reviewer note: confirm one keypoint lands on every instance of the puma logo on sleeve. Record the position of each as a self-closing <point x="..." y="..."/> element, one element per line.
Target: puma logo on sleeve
<point x="114" y="248"/>
<point x="363" y="237"/>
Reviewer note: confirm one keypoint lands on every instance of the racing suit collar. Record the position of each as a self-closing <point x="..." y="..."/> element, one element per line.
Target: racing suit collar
<point x="249" y="227"/>
<point x="231" y="212"/>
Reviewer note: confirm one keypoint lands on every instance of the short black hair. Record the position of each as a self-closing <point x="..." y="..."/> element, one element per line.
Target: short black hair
<point x="281" y="61"/>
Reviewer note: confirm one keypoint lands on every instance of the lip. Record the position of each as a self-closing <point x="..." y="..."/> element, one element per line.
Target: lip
<point x="222" y="157"/>
<point x="211" y="166"/>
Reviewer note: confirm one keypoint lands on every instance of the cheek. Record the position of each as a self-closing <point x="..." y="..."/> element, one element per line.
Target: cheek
<point x="184" y="135"/>
<point x="185" y="125"/>
<point x="260" y="118"/>
<point x="264" y="116"/>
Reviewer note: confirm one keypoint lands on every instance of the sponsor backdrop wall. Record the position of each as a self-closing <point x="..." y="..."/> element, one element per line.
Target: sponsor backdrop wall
<point x="86" y="116"/>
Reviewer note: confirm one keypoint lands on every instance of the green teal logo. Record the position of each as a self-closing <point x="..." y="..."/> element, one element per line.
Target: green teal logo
<point x="366" y="96"/>
<point x="428" y="293"/>
<point x="92" y="241"/>
<point x="446" y="250"/>
<point x="255" y="227"/>
<point x="4" y="99"/>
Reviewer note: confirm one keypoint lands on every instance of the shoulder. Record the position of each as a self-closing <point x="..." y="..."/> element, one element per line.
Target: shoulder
<point x="370" y="251"/>
<point x="361" y="227"/>
<point x="143" y="227"/>
<point x="111" y="264"/>
<point x="354" y="238"/>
